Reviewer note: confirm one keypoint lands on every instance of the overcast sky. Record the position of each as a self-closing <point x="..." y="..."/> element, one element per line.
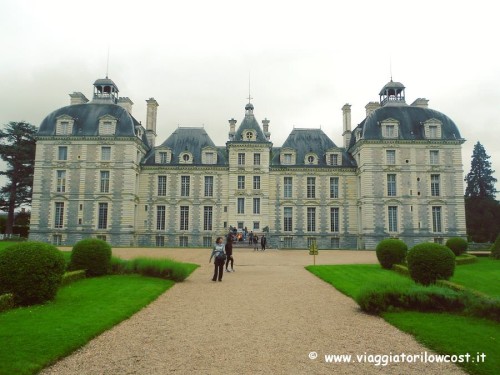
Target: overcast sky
<point x="305" y="59"/>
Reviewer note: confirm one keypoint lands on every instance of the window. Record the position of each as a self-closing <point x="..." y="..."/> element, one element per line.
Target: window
<point x="209" y="158"/>
<point x="334" y="187"/>
<point x="163" y="158"/>
<point x="311" y="219"/>
<point x="287" y="187"/>
<point x="249" y="136"/>
<point x="183" y="241"/>
<point x="288" y="242"/>
<point x="287" y="159"/>
<point x="61" y="181"/>
<point x="209" y="186"/>
<point x="256" y="182"/>
<point x="256" y="225"/>
<point x="392" y="213"/>
<point x="390" y="156"/>
<point x="435" y="185"/>
<point x="256" y="206"/>
<point x="334" y="159"/>
<point x="102" y="220"/>
<point x="64" y="127"/>
<point x="335" y="243"/>
<point x="62" y="153"/>
<point x="390" y="131"/>
<point x="334" y="219"/>
<point x="207" y="241"/>
<point x="59" y="215"/>
<point x="57" y="239"/>
<point x="184" y="222"/>
<point x="162" y="186"/>
<point x="433" y="131"/>
<point x="104" y="185"/>
<point x="256" y="159"/>
<point x="241" y="182"/>
<point x="391" y="185"/>
<point x="186" y="158"/>
<point x="311" y="187"/>
<point x="241" y="205"/>
<point x="311" y="159"/>
<point x="436" y="219"/>
<point x="101" y="237"/>
<point x="241" y="159"/>
<point x="160" y="241"/>
<point x="160" y="218"/>
<point x="185" y="183"/>
<point x="105" y="153"/>
<point x="287" y="219"/>
<point x="434" y="157"/>
<point x="207" y="218"/>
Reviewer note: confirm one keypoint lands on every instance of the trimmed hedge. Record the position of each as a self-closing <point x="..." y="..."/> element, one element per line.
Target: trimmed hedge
<point x="92" y="255"/>
<point x="428" y="262"/>
<point x="31" y="271"/>
<point x="391" y="251"/>
<point x="457" y="245"/>
<point x="72" y="276"/>
<point x="495" y="248"/>
<point x="465" y="259"/>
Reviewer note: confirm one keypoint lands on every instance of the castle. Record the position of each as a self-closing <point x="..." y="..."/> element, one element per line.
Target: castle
<point x="99" y="173"/>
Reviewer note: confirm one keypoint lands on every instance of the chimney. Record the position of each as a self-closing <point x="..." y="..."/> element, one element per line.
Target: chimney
<point x="265" y="126"/>
<point x="371" y="107"/>
<point x="232" y="129"/>
<point x="346" y="114"/>
<point x="421" y="102"/>
<point x="77" y="98"/>
<point x="126" y="103"/>
<point x="151" y="112"/>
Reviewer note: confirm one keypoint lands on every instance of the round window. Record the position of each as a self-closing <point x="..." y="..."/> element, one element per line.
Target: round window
<point x="310" y="159"/>
<point x="185" y="157"/>
<point x="249" y="135"/>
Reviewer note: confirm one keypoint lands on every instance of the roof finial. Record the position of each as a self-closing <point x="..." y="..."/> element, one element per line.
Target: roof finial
<point x="249" y="96"/>
<point x="107" y="64"/>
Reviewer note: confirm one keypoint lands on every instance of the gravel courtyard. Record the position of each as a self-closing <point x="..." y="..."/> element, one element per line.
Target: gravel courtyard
<point x="271" y="316"/>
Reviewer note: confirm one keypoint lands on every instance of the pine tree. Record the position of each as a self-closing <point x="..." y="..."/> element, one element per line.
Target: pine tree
<point x="17" y="149"/>
<point x="480" y="180"/>
<point x="482" y="211"/>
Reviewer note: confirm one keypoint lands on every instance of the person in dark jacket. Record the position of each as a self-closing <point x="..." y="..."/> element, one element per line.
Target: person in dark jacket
<point x="263" y="241"/>
<point x="229" y="253"/>
<point x="218" y="262"/>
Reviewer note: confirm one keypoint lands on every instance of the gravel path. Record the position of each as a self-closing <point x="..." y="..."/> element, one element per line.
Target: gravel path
<point x="265" y="318"/>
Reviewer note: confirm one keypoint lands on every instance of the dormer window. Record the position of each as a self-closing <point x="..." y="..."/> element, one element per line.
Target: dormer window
<point x="432" y="129"/>
<point x="333" y="158"/>
<point x="162" y="156"/>
<point x="64" y="125"/>
<point x="287" y="156"/>
<point x="249" y="135"/>
<point x="209" y="156"/>
<point x="186" y="158"/>
<point x="390" y="128"/>
<point x="311" y="159"/>
<point x="107" y="125"/>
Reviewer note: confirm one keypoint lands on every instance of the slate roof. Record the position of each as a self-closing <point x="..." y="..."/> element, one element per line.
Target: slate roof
<point x="191" y="139"/>
<point x="410" y="118"/>
<point x="250" y="123"/>
<point x="305" y="141"/>
<point x="86" y="117"/>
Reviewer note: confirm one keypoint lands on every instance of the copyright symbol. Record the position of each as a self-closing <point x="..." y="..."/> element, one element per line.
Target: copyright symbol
<point x="313" y="355"/>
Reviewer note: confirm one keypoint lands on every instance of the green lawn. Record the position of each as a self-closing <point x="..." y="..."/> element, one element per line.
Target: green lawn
<point x="443" y="333"/>
<point x="482" y="276"/>
<point x="33" y="337"/>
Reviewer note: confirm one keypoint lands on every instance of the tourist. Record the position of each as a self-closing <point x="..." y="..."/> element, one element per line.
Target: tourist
<point x="220" y="257"/>
<point x="229" y="253"/>
<point x="255" y="242"/>
<point x="263" y="242"/>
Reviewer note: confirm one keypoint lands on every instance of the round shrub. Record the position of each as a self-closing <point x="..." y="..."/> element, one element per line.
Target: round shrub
<point x="391" y="251"/>
<point x="92" y="255"/>
<point x="428" y="262"/>
<point x="457" y="245"/>
<point x="495" y="248"/>
<point x="31" y="271"/>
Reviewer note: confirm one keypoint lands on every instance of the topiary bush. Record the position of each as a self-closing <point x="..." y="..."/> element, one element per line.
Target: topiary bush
<point x="457" y="245"/>
<point x="92" y="255"/>
<point x="391" y="251"/>
<point x="495" y="248"/>
<point x="31" y="271"/>
<point x="428" y="262"/>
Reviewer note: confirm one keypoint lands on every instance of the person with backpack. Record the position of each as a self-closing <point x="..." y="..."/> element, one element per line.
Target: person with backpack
<point x="229" y="253"/>
<point x="220" y="259"/>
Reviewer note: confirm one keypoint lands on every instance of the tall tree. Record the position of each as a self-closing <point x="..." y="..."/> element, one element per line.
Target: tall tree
<point x="17" y="149"/>
<point x="480" y="180"/>
<point x="482" y="211"/>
